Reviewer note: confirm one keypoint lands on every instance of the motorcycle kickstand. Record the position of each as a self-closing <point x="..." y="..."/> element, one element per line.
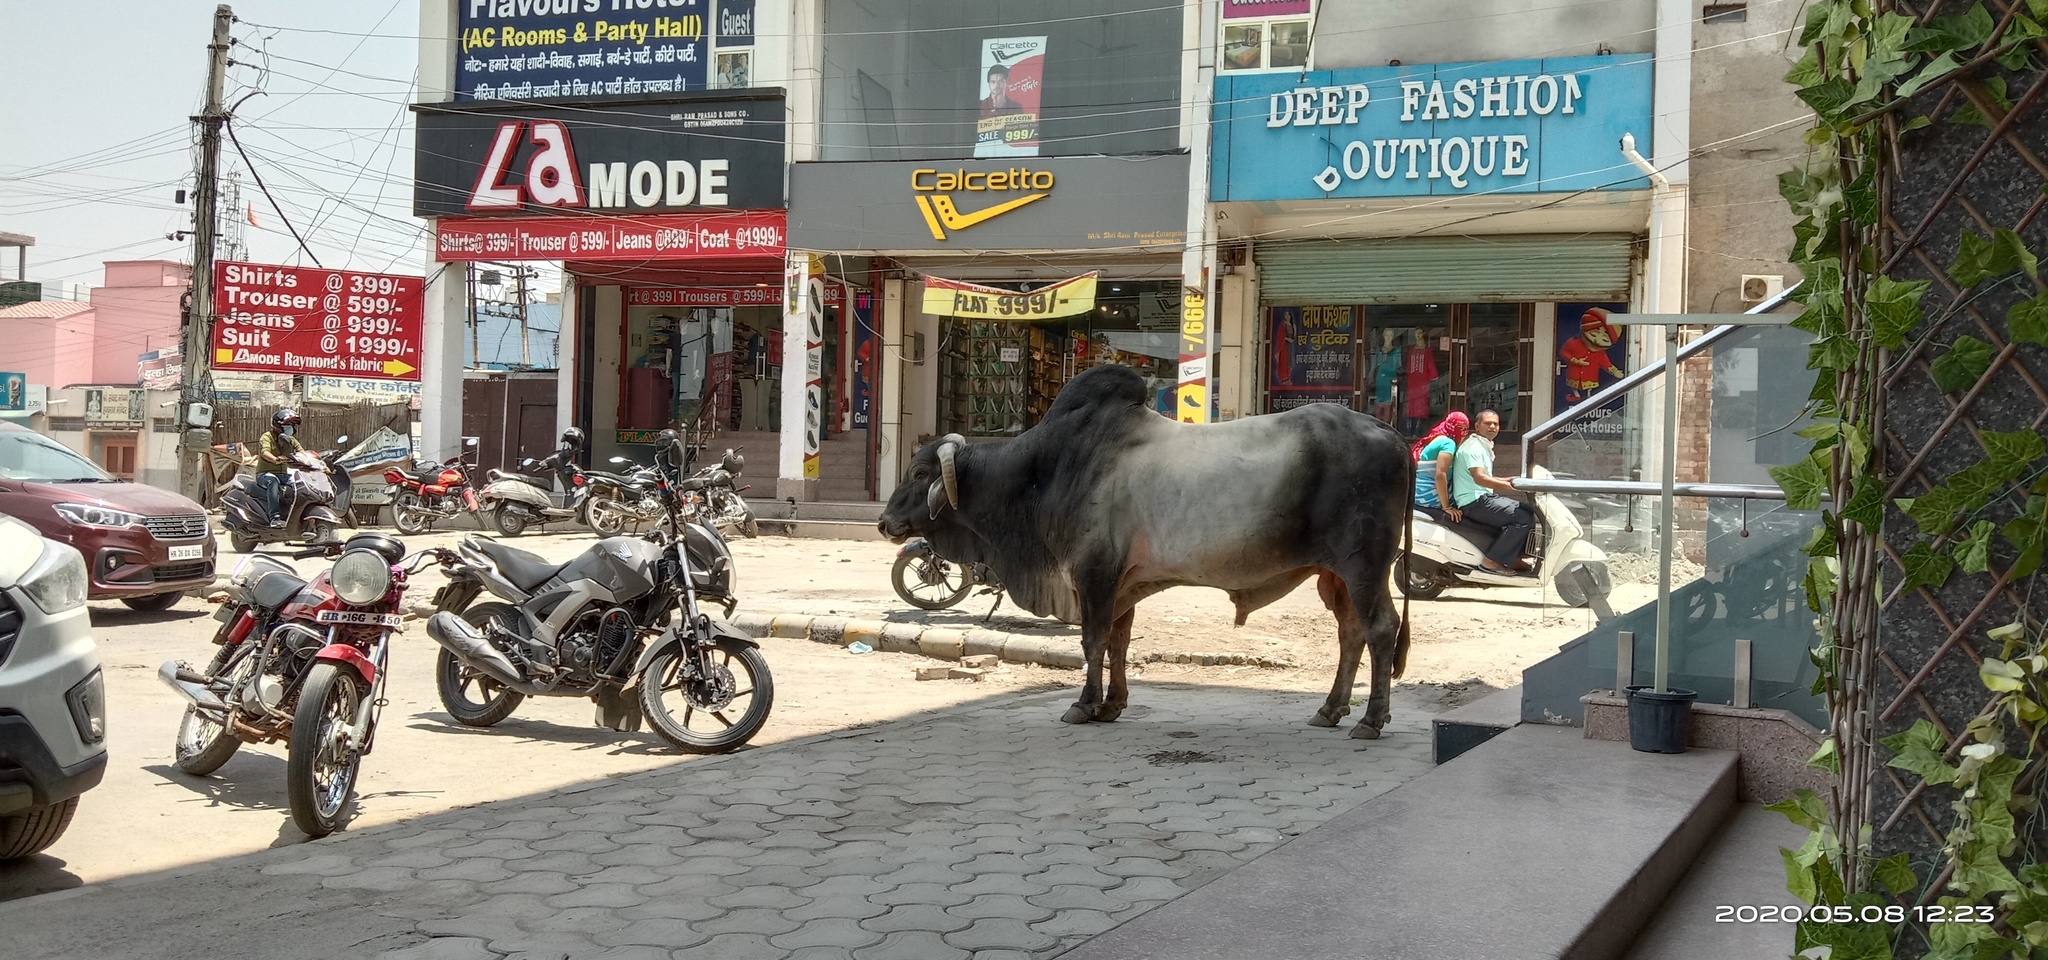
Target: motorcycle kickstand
<point x="992" y="610"/>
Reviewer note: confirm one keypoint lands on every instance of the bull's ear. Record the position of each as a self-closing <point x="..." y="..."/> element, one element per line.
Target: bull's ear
<point x="932" y="498"/>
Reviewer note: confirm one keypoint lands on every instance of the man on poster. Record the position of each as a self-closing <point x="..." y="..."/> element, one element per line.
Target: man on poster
<point x="998" y="102"/>
<point x="1013" y="78"/>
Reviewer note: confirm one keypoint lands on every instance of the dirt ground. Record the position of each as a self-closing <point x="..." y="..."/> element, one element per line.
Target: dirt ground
<point x="1467" y="643"/>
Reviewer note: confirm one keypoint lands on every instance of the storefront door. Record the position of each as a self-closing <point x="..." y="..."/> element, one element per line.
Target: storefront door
<point x="1409" y="364"/>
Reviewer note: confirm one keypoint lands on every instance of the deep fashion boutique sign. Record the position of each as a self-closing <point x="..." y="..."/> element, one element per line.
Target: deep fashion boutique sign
<point x="1432" y="129"/>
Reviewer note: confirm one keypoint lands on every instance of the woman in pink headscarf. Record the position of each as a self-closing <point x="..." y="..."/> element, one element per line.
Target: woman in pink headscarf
<point x="1432" y="456"/>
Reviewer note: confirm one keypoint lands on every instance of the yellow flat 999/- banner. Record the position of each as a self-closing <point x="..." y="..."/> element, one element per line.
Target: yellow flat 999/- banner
<point x="953" y="298"/>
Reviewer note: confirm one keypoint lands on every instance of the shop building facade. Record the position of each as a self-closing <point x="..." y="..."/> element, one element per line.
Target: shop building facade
<point x="1406" y="207"/>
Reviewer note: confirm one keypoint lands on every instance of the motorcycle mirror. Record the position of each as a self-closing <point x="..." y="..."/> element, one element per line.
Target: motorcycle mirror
<point x="341" y="439"/>
<point x="618" y="459"/>
<point x="469" y="441"/>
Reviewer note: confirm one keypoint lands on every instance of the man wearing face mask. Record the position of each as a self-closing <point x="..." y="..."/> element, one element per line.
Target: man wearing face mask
<point x="273" y="461"/>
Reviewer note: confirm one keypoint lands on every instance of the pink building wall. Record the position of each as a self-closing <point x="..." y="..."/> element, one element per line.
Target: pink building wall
<point x="134" y="312"/>
<point x="56" y="351"/>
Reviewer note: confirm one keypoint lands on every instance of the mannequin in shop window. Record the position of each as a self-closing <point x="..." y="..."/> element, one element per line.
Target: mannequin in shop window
<point x="1419" y="366"/>
<point x="1386" y="367"/>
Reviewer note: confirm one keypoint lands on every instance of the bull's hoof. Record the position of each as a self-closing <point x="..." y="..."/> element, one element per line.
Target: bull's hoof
<point x="1105" y="714"/>
<point x="1364" y="732"/>
<point x="1078" y="713"/>
<point x="1326" y="718"/>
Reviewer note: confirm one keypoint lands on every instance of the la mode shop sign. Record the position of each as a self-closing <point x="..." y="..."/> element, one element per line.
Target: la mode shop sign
<point x="1550" y="125"/>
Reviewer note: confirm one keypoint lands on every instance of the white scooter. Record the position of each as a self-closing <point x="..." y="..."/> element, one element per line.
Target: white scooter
<point x="1450" y="554"/>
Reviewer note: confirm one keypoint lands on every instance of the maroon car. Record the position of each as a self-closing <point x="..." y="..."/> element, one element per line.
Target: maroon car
<point x="144" y="547"/>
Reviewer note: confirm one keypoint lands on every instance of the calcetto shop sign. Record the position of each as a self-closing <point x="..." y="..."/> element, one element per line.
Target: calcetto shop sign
<point x="1551" y="125"/>
<point x="645" y="157"/>
<point x="1053" y="203"/>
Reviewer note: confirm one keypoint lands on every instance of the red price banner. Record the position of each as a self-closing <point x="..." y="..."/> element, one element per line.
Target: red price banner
<point x="306" y="320"/>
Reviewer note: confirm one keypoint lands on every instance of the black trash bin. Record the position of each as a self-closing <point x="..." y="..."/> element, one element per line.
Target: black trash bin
<point x="1659" y="721"/>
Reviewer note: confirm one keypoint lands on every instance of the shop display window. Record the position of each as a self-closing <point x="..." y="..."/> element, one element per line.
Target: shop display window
<point x="1267" y="43"/>
<point x="925" y="79"/>
<point x="999" y="379"/>
<point x="1407" y="364"/>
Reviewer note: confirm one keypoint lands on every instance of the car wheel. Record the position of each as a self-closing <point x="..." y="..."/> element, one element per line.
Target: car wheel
<point x="33" y="830"/>
<point x="154" y="603"/>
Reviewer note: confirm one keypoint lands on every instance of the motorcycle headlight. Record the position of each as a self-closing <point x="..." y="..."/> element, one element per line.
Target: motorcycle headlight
<point x="360" y="577"/>
<point x="88" y="515"/>
<point x="57" y="580"/>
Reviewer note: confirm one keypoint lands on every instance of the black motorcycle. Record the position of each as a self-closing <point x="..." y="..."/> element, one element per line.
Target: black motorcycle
<point x="928" y="581"/>
<point x="620" y="624"/>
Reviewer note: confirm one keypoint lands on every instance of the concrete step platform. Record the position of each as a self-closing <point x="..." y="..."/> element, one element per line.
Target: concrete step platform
<point x="1536" y="843"/>
<point x="1456" y="731"/>
<point x="862" y="511"/>
<point x="1739" y="867"/>
<point x="821" y="529"/>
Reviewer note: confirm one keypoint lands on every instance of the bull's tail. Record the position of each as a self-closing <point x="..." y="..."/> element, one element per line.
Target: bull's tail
<point x="1407" y="551"/>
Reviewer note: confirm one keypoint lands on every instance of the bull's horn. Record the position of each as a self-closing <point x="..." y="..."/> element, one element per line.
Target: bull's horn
<point x="950" y="473"/>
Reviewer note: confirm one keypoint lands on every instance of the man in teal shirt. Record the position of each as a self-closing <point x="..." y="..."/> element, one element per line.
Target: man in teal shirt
<point x="1472" y="486"/>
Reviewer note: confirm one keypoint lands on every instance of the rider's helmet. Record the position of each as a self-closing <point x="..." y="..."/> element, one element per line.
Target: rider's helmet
<point x="733" y="463"/>
<point x="285" y="416"/>
<point x="573" y="437"/>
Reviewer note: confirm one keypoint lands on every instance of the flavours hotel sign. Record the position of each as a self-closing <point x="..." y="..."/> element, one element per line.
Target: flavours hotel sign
<point x="675" y="179"/>
<point x="1447" y="129"/>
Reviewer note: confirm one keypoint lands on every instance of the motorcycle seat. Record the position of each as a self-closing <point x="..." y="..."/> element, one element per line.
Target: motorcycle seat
<point x="525" y="570"/>
<point x="275" y="589"/>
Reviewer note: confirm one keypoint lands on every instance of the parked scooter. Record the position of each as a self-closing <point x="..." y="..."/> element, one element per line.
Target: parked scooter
<point x="430" y="493"/>
<point x="1450" y="554"/>
<point x="515" y="501"/>
<point x="316" y="499"/>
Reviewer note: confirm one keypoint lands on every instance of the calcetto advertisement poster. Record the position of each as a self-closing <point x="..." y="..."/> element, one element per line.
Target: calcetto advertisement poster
<point x="1591" y="354"/>
<point x="1012" y="81"/>
<point x="1313" y="356"/>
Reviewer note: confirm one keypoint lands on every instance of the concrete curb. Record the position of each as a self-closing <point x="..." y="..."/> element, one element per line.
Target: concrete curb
<point x="938" y="643"/>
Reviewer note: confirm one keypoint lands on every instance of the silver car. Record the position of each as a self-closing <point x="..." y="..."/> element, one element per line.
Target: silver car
<point x="53" y="703"/>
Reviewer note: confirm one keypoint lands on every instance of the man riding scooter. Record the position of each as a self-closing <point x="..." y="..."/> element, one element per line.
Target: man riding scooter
<point x="1472" y="481"/>
<point x="273" y="461"/>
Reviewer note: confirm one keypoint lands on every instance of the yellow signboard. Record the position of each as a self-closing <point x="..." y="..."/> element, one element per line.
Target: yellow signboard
<point x="953" y="298"/>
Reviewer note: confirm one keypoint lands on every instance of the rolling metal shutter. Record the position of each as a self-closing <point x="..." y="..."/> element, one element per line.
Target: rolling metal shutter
<point x="1530" y="267"/>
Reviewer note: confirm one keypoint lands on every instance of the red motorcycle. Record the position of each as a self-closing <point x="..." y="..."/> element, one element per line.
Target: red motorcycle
<point x="428" y="494"/>
<point x="301" y="662"/>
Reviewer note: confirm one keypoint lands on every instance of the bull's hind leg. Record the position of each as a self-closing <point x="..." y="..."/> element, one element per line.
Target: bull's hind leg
<point x="1098" y="618"/>
<point x="1382" y="635"/>
<point x="1116" y="647"/>
<point x="1350" y="641"/>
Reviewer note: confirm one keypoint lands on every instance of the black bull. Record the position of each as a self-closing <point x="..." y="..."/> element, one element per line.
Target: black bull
<point x="1105" y="503"/>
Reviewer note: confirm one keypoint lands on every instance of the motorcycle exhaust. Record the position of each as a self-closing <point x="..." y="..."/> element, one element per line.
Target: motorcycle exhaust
<point x="465" y="642"/>
<point x="176" y="675"/>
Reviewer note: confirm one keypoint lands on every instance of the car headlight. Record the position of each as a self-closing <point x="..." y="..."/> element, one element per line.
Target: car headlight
<point x="92" y="516"/>
<point x="57" y="581"/>
<point x="360" y="577"/>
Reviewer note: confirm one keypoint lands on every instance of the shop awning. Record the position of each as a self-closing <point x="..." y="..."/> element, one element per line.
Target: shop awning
<point x="1513" y="268"/>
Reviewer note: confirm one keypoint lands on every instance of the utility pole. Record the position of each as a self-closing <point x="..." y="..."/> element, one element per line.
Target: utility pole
<point x="198" y="345"/>
<point x="525" y="356"/>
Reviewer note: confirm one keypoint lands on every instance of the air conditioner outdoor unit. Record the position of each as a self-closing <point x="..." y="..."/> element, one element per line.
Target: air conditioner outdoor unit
<point x="1756" y="287"/>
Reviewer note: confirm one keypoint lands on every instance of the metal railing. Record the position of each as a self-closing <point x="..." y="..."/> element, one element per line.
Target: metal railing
<point x="1731" y="491"/>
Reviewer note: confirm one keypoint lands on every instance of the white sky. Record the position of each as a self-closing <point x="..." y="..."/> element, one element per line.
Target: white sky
<point x="95" y="133"/>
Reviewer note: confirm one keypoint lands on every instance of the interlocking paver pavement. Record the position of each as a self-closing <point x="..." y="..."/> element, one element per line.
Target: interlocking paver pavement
<point x="990" y="832"/>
